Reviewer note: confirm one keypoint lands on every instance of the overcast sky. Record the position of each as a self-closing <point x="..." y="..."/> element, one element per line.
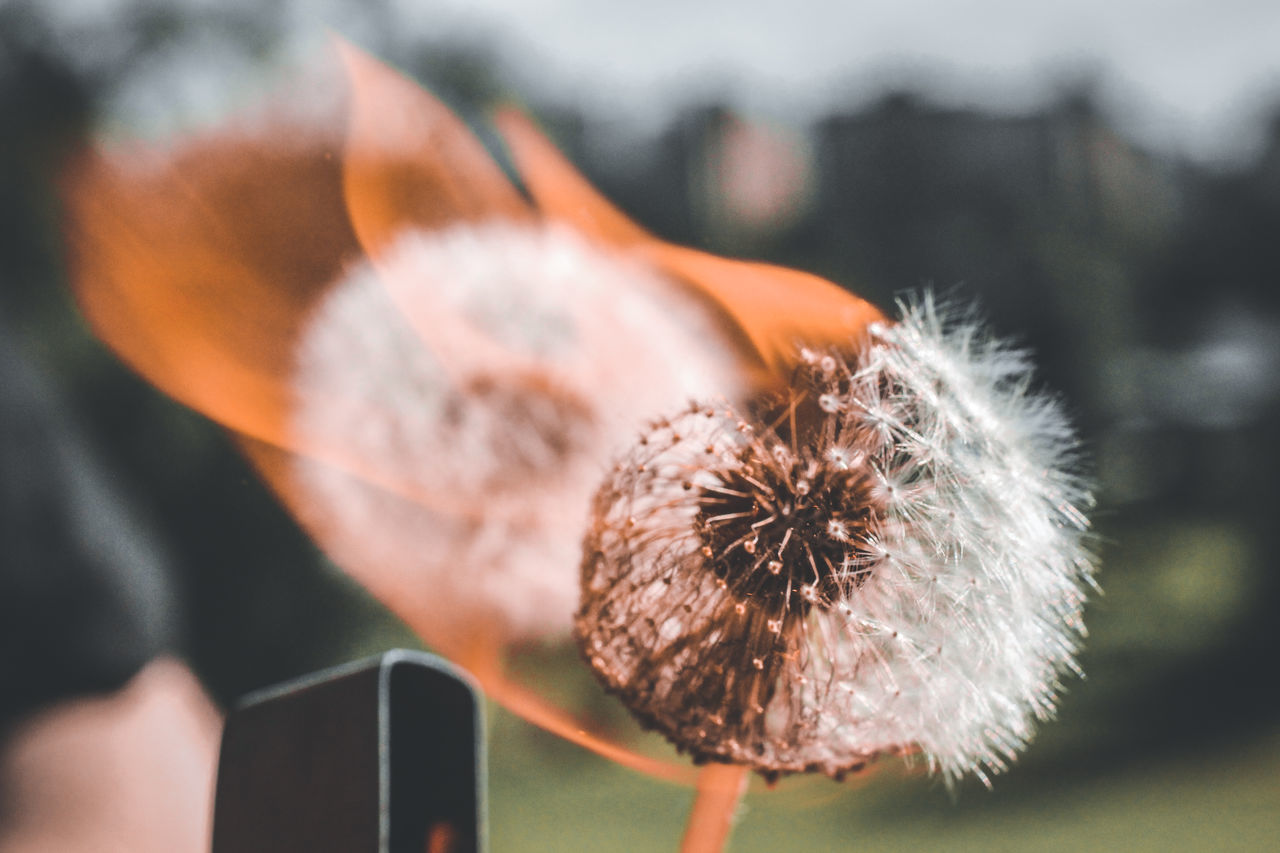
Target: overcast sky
<point x="1185" y="76"/>
<point x="1181" y="74"/>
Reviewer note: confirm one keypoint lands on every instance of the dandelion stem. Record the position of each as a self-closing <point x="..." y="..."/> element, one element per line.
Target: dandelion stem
<point x="720" y="789"/>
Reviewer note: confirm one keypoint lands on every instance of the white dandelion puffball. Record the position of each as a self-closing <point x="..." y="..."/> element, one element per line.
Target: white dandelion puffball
<point x="467" y="392"/>
<point x="888" y="558"/>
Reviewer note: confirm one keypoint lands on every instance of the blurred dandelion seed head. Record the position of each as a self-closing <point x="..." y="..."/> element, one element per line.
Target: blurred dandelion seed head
<point x="889" y="557"/>
<point x="484" y="375"/>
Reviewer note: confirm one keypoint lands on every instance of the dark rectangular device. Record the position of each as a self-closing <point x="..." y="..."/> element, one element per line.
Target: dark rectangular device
<point x="383" y="755"/>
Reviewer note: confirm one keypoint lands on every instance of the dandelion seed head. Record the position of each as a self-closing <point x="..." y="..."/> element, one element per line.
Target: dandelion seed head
<point x="483" y="376"/>
<point x="902" y="572"/>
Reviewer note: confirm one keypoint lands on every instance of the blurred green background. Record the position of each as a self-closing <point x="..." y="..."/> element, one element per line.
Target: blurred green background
<point x="1147" y="283"/>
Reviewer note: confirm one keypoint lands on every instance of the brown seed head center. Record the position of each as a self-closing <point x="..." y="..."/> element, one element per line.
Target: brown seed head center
<point x="784" y="531"/>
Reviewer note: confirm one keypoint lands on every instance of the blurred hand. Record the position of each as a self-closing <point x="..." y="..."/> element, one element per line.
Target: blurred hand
<point x="132" y="771"/>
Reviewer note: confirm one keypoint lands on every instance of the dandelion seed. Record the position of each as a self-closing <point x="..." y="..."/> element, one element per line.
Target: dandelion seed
<point x="866" y="552"/>
<point x="829" y="403"/>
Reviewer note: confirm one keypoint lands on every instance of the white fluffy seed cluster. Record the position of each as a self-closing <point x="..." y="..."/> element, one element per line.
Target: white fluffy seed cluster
<point x="892" y="560"/>
<point x="458" y="402"/>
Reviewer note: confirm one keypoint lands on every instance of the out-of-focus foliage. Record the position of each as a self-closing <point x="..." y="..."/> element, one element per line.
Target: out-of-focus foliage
<point x="1148" y="285"/>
